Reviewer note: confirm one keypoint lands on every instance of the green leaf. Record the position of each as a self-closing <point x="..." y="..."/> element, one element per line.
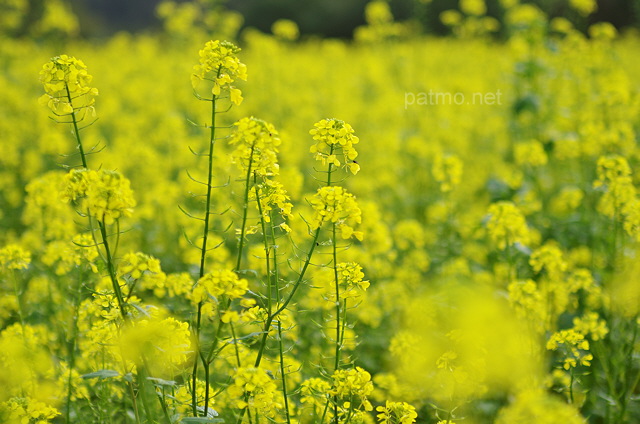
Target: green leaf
<point x="161" y="382"/>
<point x="102" y="374"/>
<point x="195" y="420"/>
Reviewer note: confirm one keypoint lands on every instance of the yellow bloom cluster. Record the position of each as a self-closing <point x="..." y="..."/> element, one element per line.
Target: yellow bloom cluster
<point x="104" y="195"/>
<point x="352" y="386"/>
<point x="507" y="225"/>
<point x="591" y="325"/>
<point x="219" y="283"/>
<point x="256" y="146"/>
<point x="253" y="388"/>
<point x="65" y="256"/>
<point x="396" y="413"/>
<point x="335" y="204"/>
<point x="334" y="139"/>
<point x="14" y="256"/>
<point x="25" y="410"/>
<point x="574" y="348"/>
<point x="614" y="176"/>
<point x="136" y="264"/>
<point x="273" y="195"/>
<point x="66" y="84"/>
<point x="350" y="277"/>
<point x="219" y="64"/>
<point x="315" y="392"/>
<point x="146" y="269"/>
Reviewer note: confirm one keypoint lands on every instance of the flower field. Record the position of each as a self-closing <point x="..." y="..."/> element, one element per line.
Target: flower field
<point x="392" y="229"/>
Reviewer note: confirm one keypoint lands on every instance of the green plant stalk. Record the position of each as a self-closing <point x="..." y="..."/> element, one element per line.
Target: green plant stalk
<point x="337" y="283"/>
<point x="276" y="278"/>
<point x="108" y="257"/>
<point x="296" y="285"/>
<point x="76" y="131"/>
<point x="203" y="254"/>
<point x="267" y="248"/>
<point x="283" y="375"/>
<point x="245" y="210"/>
<point x="101" y="224"/>
<point x="336" y="365"/>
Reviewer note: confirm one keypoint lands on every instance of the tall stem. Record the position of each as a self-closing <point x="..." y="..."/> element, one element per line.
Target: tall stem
<point x="203" y="257"/>
<point x="245" y="209"/>
<point x="76" y="131"/>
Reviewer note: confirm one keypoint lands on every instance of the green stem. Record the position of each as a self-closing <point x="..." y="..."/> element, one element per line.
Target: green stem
<point x="271" y="317"/>
<point x="337" y="283"/>
<point x="297" y="283"/>
<point x="245" y="210"/>
<point x="112" y="271"/>
<point x="203" y="256"/>
<point x="267" y="248"/>
<point x="76" y="131"/>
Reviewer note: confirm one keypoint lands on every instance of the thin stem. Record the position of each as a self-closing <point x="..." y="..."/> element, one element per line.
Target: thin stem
<point x="276" y="278"/>
<point x="337" y="283"/>
<point x="76" y="131"/>
<point x="245" y="210"/>
<point x="284" y="305"/>
<point x="203" y="255"/>
<point x="297" y="283"/>
<point x="282" y="374"/>
<point x="112" y="271"/>
<point x="267" y="248"/>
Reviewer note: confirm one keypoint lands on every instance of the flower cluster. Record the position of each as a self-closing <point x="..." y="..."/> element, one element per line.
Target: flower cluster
<point x="65" y="256"/>
<point x="614" y="176"/>
<point x="219" y="283"/>
<point x="66" y="84"/>
<point x="350" y="277"/>
<point x="256" y="146"/>
<point x="334" y="139"/>
<point x="26" y="410"/>
<point x="146" y="270"/>
<point x="335" y="204"/>
<point x="219" y="64"/>
<point x="573" y="346"/>
<point x="253" y="388"/>
<point x="397" y="413"/>
<point x="353" y="386"/>
<point x="314" y="392"/>
<point x="273" y="195"/>
<point x="548" y="258"/>
<point x="14" y="256"/>
<point x="591" y="325"/>
<point x="105" y="195"/>
<point x="507" y="225"/>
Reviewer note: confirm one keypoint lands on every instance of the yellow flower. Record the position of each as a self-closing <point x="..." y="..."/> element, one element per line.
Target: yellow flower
<point x="256" y="145"/>
<point x="507" y="225"/>
<point x="396" y="413"/>
<point x="66" y="81"/>
<point x="14" y="256"/>
<point x="219" y="63"/>
<point x="335" y="204"/>
<point x="335" y="137"/>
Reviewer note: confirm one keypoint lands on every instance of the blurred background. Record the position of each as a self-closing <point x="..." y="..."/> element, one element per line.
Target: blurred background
<point x="329" y="18"/>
